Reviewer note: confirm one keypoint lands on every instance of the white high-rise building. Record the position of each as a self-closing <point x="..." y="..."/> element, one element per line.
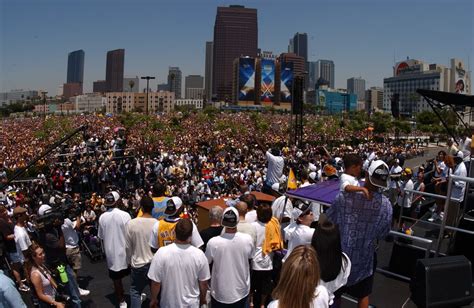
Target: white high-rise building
<point x="411" y="74"/>
<point x="325" y="70"/>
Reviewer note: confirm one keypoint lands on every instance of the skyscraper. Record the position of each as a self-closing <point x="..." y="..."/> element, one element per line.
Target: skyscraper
<point x="235" y="35"/>
<point x="300" y="45"/>
<point x="325" y="70"/>
<point x="356" y="86"/>
<point x="174" y="81"/>
<point x="75" y="67"/>
<point x="208" y="73"/>
<point x="312" y="75"/>
<point x="114" y="70"/>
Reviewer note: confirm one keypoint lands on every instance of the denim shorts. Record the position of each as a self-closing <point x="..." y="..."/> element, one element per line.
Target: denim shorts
<point x="15" y="257"/>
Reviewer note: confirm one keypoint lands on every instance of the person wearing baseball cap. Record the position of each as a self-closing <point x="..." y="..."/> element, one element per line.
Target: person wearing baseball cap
<point x="404" y="201"/>
<point x="112" y="229"/>
<point x="372" y="219"/>
<point x="229" y="254"/>
<point x="163" y="232"/>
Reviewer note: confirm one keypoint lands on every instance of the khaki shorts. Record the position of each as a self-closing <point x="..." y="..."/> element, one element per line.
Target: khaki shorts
<point x="74" y="257"/>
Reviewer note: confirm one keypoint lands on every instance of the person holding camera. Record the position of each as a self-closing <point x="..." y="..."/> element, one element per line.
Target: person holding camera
<point x="73" y="251"/>
<point x="51" y="238"/>
<point x="42" y="279"/>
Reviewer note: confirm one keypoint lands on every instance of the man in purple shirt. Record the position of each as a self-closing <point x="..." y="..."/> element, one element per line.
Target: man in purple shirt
<point x="362" y="222"/>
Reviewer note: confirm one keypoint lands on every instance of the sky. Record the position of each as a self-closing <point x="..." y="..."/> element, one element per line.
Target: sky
<point x="362" y="37"/>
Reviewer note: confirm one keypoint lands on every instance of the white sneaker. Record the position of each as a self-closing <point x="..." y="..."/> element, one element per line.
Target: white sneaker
<point x="123" y="304"/>
<point x="83" y="292"/>
<point x="143" y="297"/>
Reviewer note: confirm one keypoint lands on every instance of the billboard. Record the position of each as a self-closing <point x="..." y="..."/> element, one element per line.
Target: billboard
<point x="460" y="85"/>
<point x="268" y="81"/>
<point x="286" y="85"/>
<point x="247" y="79"/>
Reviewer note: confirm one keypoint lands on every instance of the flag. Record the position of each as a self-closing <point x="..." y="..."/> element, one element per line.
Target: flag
<point x="291" y="184"/>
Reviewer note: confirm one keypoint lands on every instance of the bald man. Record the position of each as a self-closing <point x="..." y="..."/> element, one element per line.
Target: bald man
<point x="243" y="226"/>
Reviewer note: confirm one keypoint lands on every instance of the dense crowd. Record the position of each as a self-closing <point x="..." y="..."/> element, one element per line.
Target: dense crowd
<point x="160" y="169"/>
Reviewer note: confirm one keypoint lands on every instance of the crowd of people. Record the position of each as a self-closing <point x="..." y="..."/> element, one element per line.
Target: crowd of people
<point x="135" y="197"/>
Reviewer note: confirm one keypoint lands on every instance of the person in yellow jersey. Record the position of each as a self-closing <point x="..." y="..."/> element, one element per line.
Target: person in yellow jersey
<point x="163" y="232"/>
<point x="159" y="200"/>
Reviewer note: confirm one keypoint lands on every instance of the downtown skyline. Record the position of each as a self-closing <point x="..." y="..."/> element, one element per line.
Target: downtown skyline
<point x="363" y="39"/>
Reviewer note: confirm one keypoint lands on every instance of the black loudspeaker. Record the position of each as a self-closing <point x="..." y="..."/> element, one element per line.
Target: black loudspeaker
<point x="463" y="241"/>
<point x="442" y="282"/>
<point x="298" y="85"/>
<point x="395" y="105"/>
<point x="404" y="257"/>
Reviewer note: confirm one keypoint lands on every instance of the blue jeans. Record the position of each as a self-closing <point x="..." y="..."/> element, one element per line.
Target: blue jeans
<point x="72" y="288"/>
<point x="138" y="281"/>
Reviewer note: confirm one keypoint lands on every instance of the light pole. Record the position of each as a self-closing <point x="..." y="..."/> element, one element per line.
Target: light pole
<point x="147" y="78"/>
<point x="44" y="102"/>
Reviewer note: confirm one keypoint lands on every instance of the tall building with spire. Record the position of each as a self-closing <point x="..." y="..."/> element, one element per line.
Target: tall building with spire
<point x="235" y="35"/>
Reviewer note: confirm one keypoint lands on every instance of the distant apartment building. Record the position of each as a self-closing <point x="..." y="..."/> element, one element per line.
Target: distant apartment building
<point x="114" y="70"/>
<point x="194" y="87"/>
<point x="356" y="85"/>
<point x="99" y="86"/>
<point x="196" y="103"/>
<point x="374" y="98"/>
<point x="88" y="103"/>
<point x="175" y="81"/>
<point x="131" y="84"/>
<point x="412" y="74"/>
<point x="118" y="102"/>
<point x="162" y="87"/>
<point x="72" y="89"/>
<point x="14" y="96"/>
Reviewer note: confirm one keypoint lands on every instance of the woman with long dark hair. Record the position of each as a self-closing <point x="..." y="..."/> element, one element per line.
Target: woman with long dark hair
<point x="334" y="264"/>
<point x="41" y="278"/>
<point x="299" y="285"/>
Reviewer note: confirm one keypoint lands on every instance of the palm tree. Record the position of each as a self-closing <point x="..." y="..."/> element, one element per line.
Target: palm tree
<point x="131" y="83"/>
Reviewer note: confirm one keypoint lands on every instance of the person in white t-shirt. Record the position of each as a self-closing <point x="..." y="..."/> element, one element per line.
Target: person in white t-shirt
<point x="73" y="251"/>
<point x="139" y="254"/>
<point x="262" y="264"/>
<point x="299" y="284"/>
<point x="404" y="200"/>
<point x="394" y="173"/>
<point x="281" y="206"/>
<point x="180" y="271"/>
<point x="112" y="232"/>
<point x="229" y="255"/>
<point x="299" y="232"/>
<point x="244" y="226"/>
<point x="349" y="179"/>
<point x="251" y="202"/>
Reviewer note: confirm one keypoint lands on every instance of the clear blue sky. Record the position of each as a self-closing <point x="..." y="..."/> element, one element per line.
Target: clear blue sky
<point x="362" y="37"/>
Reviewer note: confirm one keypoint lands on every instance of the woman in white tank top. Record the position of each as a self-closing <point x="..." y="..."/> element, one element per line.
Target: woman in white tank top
<point x="41" y="278"/>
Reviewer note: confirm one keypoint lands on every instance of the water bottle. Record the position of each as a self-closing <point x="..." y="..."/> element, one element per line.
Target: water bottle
<point x="62" y="274"/>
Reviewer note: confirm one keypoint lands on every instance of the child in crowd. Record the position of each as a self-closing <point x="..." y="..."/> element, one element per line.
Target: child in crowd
<point x="349" y="179"/>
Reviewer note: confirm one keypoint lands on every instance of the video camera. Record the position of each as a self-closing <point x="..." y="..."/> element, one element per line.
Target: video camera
<point x="62" y="207"/>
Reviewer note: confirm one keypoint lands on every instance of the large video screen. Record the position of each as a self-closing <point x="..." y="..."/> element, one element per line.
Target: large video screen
<point x="246" y="79"/>
<point x="268" y="81"/>
<point x="286" y="82"/>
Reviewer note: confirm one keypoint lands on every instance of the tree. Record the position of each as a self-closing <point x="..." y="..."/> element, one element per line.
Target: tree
<point x="131" y="83"/>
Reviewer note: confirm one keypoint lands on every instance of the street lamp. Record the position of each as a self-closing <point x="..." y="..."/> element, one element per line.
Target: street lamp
<point x="147" y="78"/>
